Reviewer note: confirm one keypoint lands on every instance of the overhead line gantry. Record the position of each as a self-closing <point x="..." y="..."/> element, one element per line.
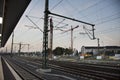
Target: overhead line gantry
<point x="45" y="34"/>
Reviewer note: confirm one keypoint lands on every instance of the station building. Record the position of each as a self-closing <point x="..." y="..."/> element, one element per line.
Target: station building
<point x="106" y="50"/>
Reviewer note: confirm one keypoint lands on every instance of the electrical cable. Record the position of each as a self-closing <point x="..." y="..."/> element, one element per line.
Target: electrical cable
<point x="96" y="4"/>
<point x="56" y="5"/>
<point x="108" y="21"/>
<point x="97" y="23"/>
<point x="33" y="7"/>
<point x="98" y="10"/>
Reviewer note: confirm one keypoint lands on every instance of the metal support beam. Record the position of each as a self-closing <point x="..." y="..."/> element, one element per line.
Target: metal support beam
<point x="70" y="18"/>
<point x="45" y="35"/>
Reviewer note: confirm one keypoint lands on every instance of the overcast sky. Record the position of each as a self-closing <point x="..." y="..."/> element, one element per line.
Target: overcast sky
<point x="105" y="14"/>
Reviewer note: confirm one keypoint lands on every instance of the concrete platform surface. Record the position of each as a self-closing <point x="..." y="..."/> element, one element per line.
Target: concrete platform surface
<point x="1" y="70"/>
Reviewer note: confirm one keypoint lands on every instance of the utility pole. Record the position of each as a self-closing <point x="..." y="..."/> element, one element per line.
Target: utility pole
<point x="71" y="35"/>
<point x="12" y="44"/>
<point x="45" y="32"/>
<point x="98" y="44"/>
<point x="6" y="49"/>
<point x="45" y="35"/>
<point x="19" y="49"/>
<point x="15" y="49"/>
<point x="28" y="47"/>
<point x="93" y="29"/>
<point x="51" y="38"/>
<point x="72" y="38"/>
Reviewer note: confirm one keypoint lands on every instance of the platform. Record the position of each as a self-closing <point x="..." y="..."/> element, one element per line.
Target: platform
<point x="1" y="70"/>
<point x="7" y="72"/>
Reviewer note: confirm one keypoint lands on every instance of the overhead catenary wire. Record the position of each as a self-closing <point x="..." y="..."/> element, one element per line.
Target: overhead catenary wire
<point x="28" y="12"/>
<point x="108" y="20"/>
<point x="56" y="5"/>
<point x="59" y="36"/>
<point x="51" y="9"/>
<point x="97" y="10"/>
<point x="59" y="22"/>
<point x="115" y="18"/>
<point x="109" y="16"/>
<point x="79" y="37"/>
<point x="34" y="24"/>
<point x="79" y="11"/>
<point x="32" y="8"/>
<point x="96" y="4"/>
<point x="105" y="21"/>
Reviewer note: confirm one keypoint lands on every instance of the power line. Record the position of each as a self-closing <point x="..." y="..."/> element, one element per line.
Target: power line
<point x="34" y="24"/>
<point x="108" y="20"/>
<point x="96" y="4"/>
<point x="70" y="4"/>
<point x="56" y="5"/>
<point x="108" y="30"/>
<point x="21" y="35"/>
<point x="109" y="16"/>
<point x="33" y="7"/>
<point x="51" y="9"/>
<point x="98" y="10"/>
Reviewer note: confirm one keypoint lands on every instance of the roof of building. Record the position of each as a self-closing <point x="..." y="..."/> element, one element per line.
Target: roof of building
<point x="11" y="11"/>
<point x="102" y="47"/>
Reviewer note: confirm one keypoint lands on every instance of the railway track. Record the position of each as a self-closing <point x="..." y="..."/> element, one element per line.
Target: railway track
<point x="89" y="67"/>
<point x="31" y="67"/>
<point x="89" y="71"/>
<point x="101" y="72"/>
<point x="82" y="63"/>
<point x="91" y="74"/>
<point x="23" y="72"/>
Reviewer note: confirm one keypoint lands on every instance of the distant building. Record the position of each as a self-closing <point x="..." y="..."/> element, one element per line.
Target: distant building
<point x="107" y="50"/>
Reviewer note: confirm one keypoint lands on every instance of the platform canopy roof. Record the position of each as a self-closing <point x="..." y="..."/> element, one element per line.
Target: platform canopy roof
<point x="11" y="12"/>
